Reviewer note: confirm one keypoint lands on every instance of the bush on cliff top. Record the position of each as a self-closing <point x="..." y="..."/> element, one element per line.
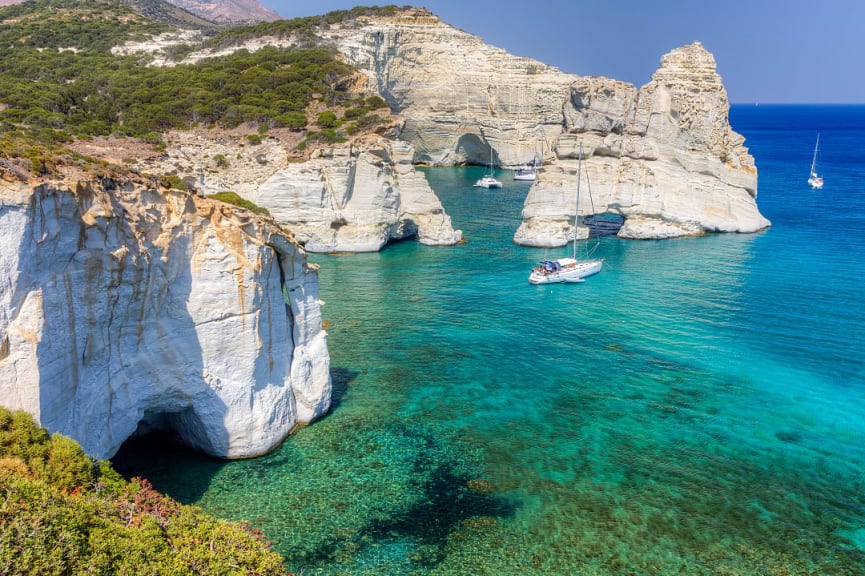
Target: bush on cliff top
<point x="233" y="198"/>
<point x="63" y="513"/>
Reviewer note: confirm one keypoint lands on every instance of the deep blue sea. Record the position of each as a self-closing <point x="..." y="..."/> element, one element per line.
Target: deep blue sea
<point x="696" y="408"/>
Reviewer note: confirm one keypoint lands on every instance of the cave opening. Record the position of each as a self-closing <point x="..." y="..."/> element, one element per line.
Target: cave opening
<point x="157" y="447"/>
<point x="605" y="224"/>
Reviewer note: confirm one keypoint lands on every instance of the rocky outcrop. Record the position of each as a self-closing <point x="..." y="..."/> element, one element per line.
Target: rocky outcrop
<point x="459" y="96"/>
<point x="350" y="198"/>
<point x="124" y="306"/>
<point x="356" y="199"/>
<point x="665" y="158"/>
<point x="228" y="11"/>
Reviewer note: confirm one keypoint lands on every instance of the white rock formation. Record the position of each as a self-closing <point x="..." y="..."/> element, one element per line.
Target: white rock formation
<point x="459" y="96"/>
<point x="356" y="199"/>
<point x="665" y="158"/>
<point x="126" y="306"/>
<point x="353" y="198"/>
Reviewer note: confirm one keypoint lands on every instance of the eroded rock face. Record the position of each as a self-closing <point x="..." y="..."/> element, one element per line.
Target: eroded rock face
<point x="664" y="157"/>
<point x="459" y="96"/>
<point x="351" y="198"/>
<point x="356" y="199"/>
<point x="126" y="306"/>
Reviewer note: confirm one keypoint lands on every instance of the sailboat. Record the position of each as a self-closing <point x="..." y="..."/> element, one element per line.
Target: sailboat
<point x="489" y="181"/>
<point x="815" y="180"/>
<point x="530" y="172"/>
<point x="568" y="269"/>
<point x="527" y="172"/>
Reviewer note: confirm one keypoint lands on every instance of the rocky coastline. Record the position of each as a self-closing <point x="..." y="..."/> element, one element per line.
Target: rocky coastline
<point x="126" y="306"/>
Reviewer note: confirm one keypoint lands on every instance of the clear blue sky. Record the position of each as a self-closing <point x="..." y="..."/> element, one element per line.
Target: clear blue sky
<point x="766" y="50"/>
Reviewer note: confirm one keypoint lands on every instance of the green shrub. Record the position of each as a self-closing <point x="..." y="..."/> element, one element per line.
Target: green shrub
<point x="254" y="139"/>
<point x="176" y="182"/>
<point x="64" y="514"/>
<point x="353" y="113"/>
<point x="233" y="198"/>
<point x="327" y="119"/>
<point x="375" y="102"/>
<point x="221" y="160"/>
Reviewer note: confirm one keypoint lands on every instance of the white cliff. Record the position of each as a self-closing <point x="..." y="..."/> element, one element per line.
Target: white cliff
<point x="459" y="96"/>
<point x="125" y="306"/>
<point x="665" y="158"/>
<point x="356" y="199"/>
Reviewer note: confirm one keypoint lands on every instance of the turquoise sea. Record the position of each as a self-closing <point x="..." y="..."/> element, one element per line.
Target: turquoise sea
<point x="696" y="408"/>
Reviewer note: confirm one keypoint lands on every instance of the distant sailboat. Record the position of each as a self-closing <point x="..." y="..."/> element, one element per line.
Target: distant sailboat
<point x="815" y="180"/>
<point x="568" y="269"/>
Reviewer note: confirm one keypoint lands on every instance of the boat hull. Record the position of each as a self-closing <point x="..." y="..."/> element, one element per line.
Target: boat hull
<point x="488" y="183"/>
<point x="570" y="271"/>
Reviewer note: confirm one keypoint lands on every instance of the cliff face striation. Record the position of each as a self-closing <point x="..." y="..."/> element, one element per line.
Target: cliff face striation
<point x="357" y="199"/>
<point x="459" y="97"/>
<point x="124" y="306"/>
<point x="664" y="157"/>
<point x="350" y="198"/>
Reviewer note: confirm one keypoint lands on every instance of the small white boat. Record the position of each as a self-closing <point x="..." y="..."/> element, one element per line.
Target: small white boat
<point x="525" y="173"/>
<point x="487" y="182"/>
<point x="815" y="180"/>
<point x="568" y="269"/>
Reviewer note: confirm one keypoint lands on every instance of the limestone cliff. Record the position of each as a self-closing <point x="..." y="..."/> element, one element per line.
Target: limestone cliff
<point x="125" y="306"/>
<point x="664" y="157"/>
<point x="357" y="199"/>
<point x="459" y="96"/>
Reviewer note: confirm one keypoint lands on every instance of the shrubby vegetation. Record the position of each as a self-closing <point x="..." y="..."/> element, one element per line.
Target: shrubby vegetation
<point x="301" y="29"/>
<point x="62" y="513"/>
<point x="231" y="197"/>
<point x="58" y="78"/>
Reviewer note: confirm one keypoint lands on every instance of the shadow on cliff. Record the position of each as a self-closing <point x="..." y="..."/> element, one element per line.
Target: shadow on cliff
<point x="477" y="151"/>
<point x="119" y="355"/>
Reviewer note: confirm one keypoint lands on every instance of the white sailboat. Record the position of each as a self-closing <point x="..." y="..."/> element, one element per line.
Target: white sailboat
<point x="568" y="269"/>
<point x="814" y="179"/>
<point x="489" y="181"/>
<point x="529" y="172"/>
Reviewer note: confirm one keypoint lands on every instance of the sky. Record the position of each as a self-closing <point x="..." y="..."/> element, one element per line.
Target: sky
<point x="767" y="51"/>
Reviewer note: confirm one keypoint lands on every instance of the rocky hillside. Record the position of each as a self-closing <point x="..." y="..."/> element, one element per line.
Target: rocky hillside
<point x="223" y="12"/>
<point x="229" y="11"/>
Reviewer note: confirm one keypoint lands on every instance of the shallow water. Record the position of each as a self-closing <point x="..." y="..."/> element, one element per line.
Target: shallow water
<point x="696" y="408"/>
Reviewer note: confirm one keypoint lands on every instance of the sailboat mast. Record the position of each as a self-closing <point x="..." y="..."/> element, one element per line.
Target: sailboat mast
<point x="814" y="160"/>
<point x="577" y="209"/>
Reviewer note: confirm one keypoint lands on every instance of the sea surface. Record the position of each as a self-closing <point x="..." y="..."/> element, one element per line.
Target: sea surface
<point x="696" y="408"/>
